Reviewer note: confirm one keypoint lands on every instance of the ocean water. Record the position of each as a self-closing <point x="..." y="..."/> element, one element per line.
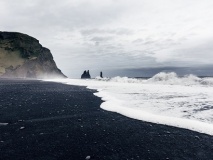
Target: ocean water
<point x="185" y="102"/>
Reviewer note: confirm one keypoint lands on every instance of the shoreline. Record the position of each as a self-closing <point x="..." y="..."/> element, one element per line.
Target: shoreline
<point x="49" y="120"/>
<point x="179" y="122"/>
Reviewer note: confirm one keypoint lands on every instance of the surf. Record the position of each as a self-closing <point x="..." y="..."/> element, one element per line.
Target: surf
<point x="166" y="98"/>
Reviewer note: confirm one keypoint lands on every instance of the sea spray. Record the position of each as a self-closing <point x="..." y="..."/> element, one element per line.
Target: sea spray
<point x="170" y="78"/>
<point x="166" y="98"/>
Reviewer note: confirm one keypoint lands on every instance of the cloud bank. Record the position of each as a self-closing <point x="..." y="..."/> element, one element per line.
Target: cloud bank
<point x="116" y="34"/>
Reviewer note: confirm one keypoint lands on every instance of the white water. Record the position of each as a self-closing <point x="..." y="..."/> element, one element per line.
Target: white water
<point x="185" y="102"/>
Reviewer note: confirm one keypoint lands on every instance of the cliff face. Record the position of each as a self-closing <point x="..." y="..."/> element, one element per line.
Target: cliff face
<point x="23" y="56"/>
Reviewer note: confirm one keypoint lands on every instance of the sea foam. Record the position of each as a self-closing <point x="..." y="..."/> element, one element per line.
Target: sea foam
<point x="185" y="102"/>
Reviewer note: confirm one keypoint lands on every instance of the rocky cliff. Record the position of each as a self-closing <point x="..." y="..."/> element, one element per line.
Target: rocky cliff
<point x="22" y="56"/>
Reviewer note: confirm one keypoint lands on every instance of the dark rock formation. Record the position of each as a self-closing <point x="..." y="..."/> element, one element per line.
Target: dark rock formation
<point x="85" y="75"/>
<point x="101" y="74"/>
<point x="23" y="56"/>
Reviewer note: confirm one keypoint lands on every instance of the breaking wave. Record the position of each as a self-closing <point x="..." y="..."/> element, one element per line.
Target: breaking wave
<point x="120" y="79"/>
<point x="170" y="78"/>
<point x="166" y="98"/>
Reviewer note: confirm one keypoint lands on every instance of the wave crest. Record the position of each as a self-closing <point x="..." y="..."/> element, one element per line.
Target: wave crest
<point x="173" y="79"/>
<point x="120" y="79"/>
<point x="170" y="78"/>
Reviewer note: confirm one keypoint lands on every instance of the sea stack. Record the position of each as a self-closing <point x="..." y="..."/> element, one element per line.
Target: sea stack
<point x="22" y="56"/>
<point x="101" y="74"/>
<point x="85" y="75"/>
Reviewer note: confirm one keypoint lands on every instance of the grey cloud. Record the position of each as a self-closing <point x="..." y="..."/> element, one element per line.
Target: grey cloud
<point x="101" y="39"/>
<point x="118" y="31"/>
<point x="199" y="54"/>
<point x="115" y="33"/>
<point x="139" y="40"/>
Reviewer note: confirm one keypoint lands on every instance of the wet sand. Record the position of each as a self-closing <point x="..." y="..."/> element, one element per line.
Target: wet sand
<point x="52" y="121"/>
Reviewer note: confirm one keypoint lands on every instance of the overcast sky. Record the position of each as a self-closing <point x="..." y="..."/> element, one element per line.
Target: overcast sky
<point x="115" y="34"/>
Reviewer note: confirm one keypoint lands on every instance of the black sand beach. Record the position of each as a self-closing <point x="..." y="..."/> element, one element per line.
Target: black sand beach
<point x="52" y="121"/>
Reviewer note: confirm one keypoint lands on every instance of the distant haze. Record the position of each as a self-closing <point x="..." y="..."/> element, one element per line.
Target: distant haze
<point x="118" y="37"/>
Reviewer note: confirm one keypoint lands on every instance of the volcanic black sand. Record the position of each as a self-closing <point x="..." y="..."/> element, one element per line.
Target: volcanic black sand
<point x="52" y="121"/>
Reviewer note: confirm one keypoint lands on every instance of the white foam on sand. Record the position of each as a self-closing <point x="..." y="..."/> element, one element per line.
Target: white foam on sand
<point x="167" y="99"/>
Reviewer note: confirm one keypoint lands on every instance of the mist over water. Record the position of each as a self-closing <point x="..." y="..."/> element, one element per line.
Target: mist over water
<point x="166" y="98"/>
